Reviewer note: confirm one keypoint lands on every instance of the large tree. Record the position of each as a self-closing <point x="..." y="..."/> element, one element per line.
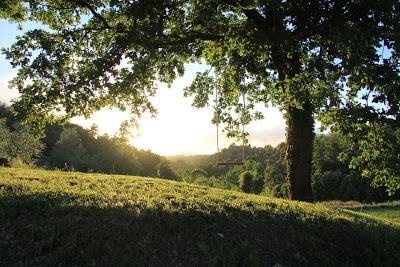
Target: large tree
<point x="307" y="57"/>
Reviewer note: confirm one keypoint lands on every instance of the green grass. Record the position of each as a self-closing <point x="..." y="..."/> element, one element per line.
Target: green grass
<point x="69" y="219"/>
<point x="388" y="212"/>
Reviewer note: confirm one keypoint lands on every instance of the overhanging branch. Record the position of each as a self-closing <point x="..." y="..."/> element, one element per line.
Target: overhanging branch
<point x="94" y="13"/>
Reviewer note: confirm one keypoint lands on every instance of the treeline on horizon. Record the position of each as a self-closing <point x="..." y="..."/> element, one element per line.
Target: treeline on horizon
<point x="70" y="147"/>
<point x="332" y="179"/>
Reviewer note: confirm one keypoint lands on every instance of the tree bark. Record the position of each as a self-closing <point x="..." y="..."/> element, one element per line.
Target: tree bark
<point x="300" y="137"/>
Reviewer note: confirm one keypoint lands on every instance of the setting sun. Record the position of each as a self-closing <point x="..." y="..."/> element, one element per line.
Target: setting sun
<point x="179" y="128"/>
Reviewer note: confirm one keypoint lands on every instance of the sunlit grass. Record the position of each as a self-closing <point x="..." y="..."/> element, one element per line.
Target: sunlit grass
<point x="50" y="218"/>
<point x="388" y="212"/>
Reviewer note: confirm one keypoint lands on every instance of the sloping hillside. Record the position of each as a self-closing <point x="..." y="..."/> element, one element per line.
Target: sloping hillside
<point x="56" y="218"/>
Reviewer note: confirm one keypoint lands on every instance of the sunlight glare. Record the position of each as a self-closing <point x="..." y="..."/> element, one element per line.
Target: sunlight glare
<point x="180" y="129"/>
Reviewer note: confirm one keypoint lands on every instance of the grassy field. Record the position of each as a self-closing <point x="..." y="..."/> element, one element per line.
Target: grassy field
<point x="69" y="219"/>
<point x="387" y="212"/>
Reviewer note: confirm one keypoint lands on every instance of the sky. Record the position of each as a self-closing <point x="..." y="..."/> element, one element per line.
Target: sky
<point x="178" y="128"/>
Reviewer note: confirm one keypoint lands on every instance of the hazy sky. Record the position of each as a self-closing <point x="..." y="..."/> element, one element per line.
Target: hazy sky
<point x="178" y="128"/>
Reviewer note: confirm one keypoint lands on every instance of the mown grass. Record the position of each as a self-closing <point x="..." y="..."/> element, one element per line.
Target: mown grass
<point x="391" y="214"/>
<point x="68" y="219"/>
<point x="388" y="212"/>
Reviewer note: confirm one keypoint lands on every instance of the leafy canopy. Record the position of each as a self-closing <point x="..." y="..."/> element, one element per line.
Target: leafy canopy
<point x="99" y="53"/>
<point x="339" y="58"/>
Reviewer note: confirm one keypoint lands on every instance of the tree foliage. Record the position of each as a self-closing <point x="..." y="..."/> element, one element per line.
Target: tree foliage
<point x="165" y="171"/>
<point x="69" y="153"/>
<point x="310" y="58"/>
<point x="332" y="178"/>
<point x="195" y="173"/>
<point x="379" y="156"/>
<point x="71" y="147"/>
<point x="16" y="140"/>
<point x="245" y="181"/>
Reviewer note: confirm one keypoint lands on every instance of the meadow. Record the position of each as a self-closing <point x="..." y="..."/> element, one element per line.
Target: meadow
<point x="52" y="218"/>
<point x="387" y="211"/>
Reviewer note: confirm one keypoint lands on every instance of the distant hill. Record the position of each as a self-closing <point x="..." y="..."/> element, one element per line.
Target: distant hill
<point x="75" y="219"/>
<point x="182" y="162"/>
<point x="188" y="159"/>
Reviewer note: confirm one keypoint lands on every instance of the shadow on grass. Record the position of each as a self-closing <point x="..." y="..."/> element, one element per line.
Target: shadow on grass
<point x="65" y="229"/>
<point x="359" y="206"/>
<point x="377" y="207"/>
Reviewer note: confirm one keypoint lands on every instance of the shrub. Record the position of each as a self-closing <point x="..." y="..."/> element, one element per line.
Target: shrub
<point x="196" y="173"/>
<point x="245" y="181"/>
<point x="4" y="162"/>
<point x="164" y="171"/>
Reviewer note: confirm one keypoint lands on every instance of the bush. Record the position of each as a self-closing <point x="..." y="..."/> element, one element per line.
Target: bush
<point x="18" y="143"/>
<point x="277" y="190"/>
<point x="19" y="163"/>
<point x="212" y="181"/>
<point x="245" y="181"/>
<point x="164" y="171"/>
<point x="196" y="173"/>
<point x="326" y="185"/>
<point x="69" y="151"/>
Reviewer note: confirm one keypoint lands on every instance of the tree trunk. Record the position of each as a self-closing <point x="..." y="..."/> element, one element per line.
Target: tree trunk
<point x="300" y="137"/>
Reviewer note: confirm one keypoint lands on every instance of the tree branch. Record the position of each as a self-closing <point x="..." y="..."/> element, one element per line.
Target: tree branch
<point x="94" y="13"/>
